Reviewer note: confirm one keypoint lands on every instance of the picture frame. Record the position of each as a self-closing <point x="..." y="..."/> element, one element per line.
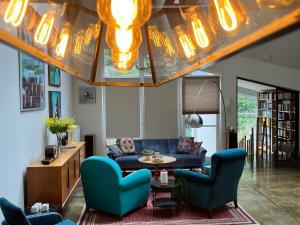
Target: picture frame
<point x="54" y="78"/>
<point x="54" y="104"/>
<point x="31" y="83"/>
<point x="87" y="95"/>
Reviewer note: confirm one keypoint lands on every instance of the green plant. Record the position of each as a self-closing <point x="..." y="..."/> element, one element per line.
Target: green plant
<point x="57" y="125"/>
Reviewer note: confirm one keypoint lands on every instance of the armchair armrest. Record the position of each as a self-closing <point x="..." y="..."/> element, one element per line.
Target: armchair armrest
<point x="193" y="177"/>
<point x="45" y="219"/>
<point x="135" y="179"/>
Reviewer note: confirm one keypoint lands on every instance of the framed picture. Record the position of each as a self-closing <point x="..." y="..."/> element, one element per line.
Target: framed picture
<point x="54" y="76"/>
<point x="87" y="95"/>
<point x="32" y="83"/>
<point x="54" y="104"/>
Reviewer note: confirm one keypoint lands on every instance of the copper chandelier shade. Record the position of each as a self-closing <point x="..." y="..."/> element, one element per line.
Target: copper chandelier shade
<point x="169" y="39"/>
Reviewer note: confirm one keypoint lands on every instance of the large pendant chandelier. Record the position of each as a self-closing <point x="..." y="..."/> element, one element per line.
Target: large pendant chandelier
<point x="140" y="42"/>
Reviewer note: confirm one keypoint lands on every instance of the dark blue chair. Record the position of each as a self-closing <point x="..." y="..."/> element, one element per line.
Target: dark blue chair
<point x="217" y="188"/>
<point x="15" y="216"/>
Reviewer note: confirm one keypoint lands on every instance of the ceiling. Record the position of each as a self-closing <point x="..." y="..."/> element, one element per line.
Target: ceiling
<point x="283" y="51"/>
<point x="253" y="86"/>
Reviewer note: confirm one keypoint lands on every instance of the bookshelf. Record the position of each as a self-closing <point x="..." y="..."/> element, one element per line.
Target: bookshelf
<point x="278" y="123"/>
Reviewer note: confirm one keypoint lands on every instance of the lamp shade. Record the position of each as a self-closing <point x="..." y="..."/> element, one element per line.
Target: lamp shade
<point x="193" y="121"/>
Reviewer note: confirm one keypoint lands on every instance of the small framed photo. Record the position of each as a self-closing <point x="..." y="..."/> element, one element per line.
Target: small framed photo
<point x="54" y="104"/>
<point x="54" y="76"/>
<point x="87" y="95"/>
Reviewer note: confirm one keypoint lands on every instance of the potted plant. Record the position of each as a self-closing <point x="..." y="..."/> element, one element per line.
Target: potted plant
<point x="147" y="154"/>
<point x="59" y="127"/>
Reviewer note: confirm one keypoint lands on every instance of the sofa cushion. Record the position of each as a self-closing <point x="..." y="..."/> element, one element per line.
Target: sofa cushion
<point x="157" y="145"/>
<point x="185" y="145"/>
<point x="196" y="146"/>
<point x="126" y="145"/>
<point x="187" y="160"/>
<point x="129" y="162"/>
<point x="115" y="149"/>
<point x="172" y="145"/>
<point x="138" y="146"/>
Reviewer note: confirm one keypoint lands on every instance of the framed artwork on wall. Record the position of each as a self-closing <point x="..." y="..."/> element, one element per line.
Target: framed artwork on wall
<point x="87" y="95"/>
<point x="32" y="83"/>
<point x="54" y="104"/>
<point x="54" y="76"/>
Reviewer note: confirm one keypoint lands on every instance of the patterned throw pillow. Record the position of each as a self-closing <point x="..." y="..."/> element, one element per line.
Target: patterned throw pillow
<point x="126" y="145"/>
<point x="185" y="145"/>
<point x="196" y="146"/>
<point x="117" y="152"/>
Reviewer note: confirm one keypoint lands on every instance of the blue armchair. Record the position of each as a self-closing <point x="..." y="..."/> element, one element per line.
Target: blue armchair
<point x="15" y="216"/>
<point x="217" y="189"/>
<point x="105" y="189"/>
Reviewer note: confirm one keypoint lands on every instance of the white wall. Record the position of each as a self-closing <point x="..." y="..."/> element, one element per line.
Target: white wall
<point x="22" y="135"/>
<point x="233" y="67"/>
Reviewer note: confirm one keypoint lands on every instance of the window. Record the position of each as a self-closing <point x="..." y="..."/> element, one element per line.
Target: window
<point x="206" y="103"/>
<point x="207" y="133"/>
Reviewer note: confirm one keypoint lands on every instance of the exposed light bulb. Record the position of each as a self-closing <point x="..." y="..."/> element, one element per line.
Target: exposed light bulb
<point x="155" y="36"/>
<point x="226" y="15"/>
<point x="15" y="12"/>
<point x="125" y="58"/>
<point x="229" y="13"/>
<point x="88" y="34"/>
<point x="124" y="14"/>
<point x="63" y="45"/>
<point x="43" y="31"/>
<point x="199" y="28"/>
<point x="123" y="67"/>
<point x="123" y="40"/>
<point x="78" y="42"/>
<point x="272" y="4"/>
<point x="186" y="49"/>
<point x="170" y="52"/>
<point x="32" y="15"/>
<point x="96" y="30"/>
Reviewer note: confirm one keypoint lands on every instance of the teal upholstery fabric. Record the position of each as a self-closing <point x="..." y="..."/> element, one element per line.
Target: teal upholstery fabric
<point x="15" y="216"/>
<point x="105" y="189"/>
<point x="220" y="187"/>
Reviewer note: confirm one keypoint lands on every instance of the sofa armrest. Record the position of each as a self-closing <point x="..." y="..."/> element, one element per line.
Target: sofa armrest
<point x="135" y="179"/>
<point x="202" y="153"/>
<point x="45" y="219"/>
<point x="194" y="177"/>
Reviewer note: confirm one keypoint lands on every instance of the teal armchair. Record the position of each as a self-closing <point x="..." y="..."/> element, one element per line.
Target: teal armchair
<point x="105" y="189"/>
<point x="217" y="188"/>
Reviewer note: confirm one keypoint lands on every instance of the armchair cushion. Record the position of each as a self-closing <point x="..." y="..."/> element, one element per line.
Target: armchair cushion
<point x="135" y="179"/>
<point x="66" y="222"/>
<point x="13" y="214"/>
<point x="45" y="219"/>
<point x="193" y="177"/>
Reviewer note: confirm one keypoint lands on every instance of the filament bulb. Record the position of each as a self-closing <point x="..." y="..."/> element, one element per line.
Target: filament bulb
<point x="43" y="31"/>
<point x="63" y="45"/>
<point x="15" y="12"/>
<point x="96" y="30"/>
<point x="88" y="35"/>
<point x="125" y="58"/>
<point x="170" y="52"/>
<point x="124" y="12"/>
<point x="78" y="42"/>
<point x="185" y="47"/>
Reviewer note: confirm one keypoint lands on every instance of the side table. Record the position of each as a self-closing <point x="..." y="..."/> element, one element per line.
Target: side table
<point x="165" y="202"/>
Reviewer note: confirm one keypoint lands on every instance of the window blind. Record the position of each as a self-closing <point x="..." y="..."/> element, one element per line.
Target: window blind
<point x="207" y="101"/>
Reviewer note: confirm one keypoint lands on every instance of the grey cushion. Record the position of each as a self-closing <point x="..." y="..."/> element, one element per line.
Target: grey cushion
<point x="115" y="150"/>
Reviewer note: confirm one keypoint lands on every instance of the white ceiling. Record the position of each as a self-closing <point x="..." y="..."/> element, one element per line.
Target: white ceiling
<point x="283" y="51"/>
<point x="253" y="86"/>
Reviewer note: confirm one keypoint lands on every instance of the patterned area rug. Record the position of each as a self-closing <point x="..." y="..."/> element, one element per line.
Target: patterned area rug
<point x="187" y="215"/>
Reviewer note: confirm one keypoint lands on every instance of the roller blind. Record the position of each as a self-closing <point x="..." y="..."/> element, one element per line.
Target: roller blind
<point x="207" y="101"/>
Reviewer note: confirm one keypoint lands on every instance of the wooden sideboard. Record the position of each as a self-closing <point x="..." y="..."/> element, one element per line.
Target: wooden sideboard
<point x="54" y="183"/>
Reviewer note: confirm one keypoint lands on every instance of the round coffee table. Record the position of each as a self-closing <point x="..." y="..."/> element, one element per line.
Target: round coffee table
<point x="164" y="160"/>
<point x="165" y="202"/>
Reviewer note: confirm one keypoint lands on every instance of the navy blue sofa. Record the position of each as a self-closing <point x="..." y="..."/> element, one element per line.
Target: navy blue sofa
<point x="165" y="147"/>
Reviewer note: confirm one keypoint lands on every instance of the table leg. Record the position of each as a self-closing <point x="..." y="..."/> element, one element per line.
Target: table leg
<point x="156" y="172"/>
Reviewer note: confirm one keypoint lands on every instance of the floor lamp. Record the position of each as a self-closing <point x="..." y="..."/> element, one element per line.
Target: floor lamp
<point x="195" y="120"/>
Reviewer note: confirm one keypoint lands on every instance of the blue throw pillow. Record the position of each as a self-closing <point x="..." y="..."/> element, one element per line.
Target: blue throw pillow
<point x="115" y="150"/>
